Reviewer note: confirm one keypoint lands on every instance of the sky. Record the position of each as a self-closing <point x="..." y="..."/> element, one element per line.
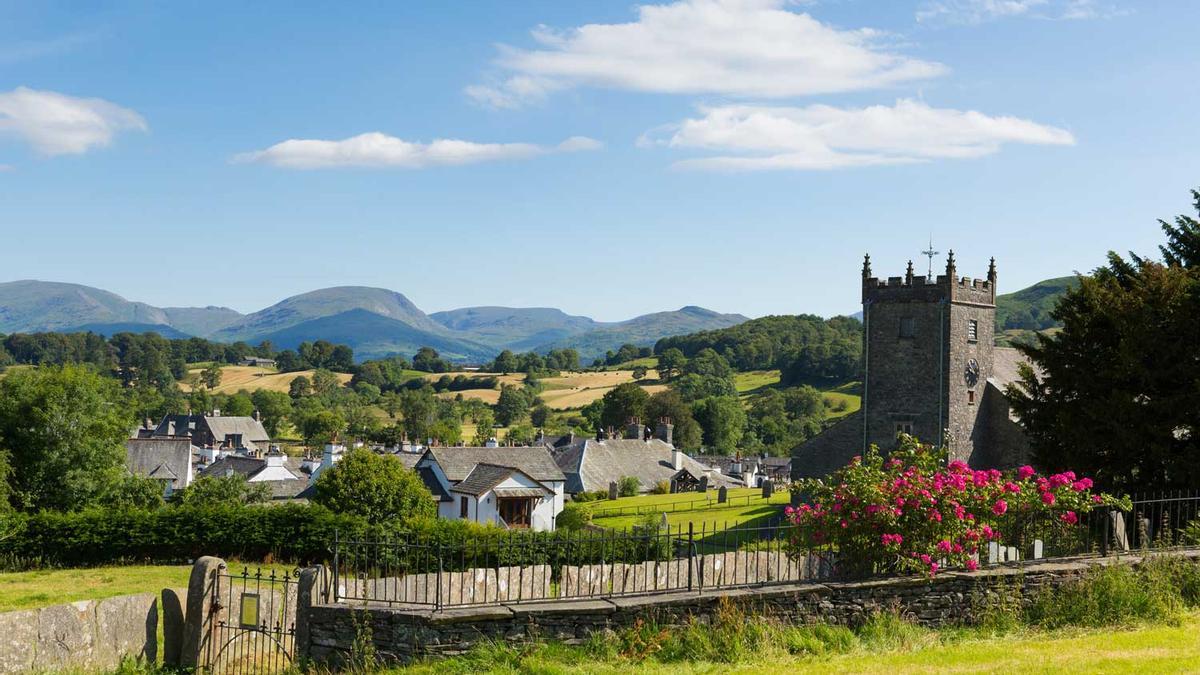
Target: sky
<point x="606" y="158"/>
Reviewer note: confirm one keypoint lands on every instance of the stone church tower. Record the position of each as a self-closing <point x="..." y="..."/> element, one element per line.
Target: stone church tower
<point x="928" y="353"/>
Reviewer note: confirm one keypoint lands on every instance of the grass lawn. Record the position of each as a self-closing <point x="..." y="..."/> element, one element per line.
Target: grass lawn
<point x="1144" y="649"/>
<point x="660" y="500"/>
<point x="41" y="588"/>
<point x="709" y="519"/>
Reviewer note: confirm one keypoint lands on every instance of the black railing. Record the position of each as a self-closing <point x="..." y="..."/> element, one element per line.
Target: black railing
<point x="595" y="563"/>
<point x="565" y="565"/>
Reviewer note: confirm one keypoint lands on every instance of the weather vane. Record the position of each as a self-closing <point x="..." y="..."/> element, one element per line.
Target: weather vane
<point x="930" y="253"/>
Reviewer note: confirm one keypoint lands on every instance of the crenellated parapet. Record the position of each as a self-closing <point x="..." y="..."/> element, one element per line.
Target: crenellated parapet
<point x="919" y="288"/>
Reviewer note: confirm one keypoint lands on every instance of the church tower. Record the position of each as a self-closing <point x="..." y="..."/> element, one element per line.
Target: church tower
<point x="927" y="355"/>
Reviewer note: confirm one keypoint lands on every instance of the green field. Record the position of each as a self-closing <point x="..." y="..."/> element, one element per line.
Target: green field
<point x="753" y="380"/>
<point x="708" y="519"/>
<point x="848" y="392"/>
<point x="1142" y="649"/>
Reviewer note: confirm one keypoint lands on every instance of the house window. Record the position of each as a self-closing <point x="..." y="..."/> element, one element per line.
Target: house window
<point x="971" y="397"/>
<point x="904" y="428"/>
<point x="908" y="327"/>
<point x="972" y="331"/>
<point x="464" y="510"/>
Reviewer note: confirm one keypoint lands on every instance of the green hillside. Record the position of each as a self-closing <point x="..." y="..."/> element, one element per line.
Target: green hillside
<point x="644" y="331"/>
<point x="517" y="328"/>
<point x="1029" y="308"/>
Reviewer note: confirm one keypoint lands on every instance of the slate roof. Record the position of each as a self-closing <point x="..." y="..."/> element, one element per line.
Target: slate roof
<point x="246" y="466"/>
<point x="429" y="478"/>
<point x="250" y="429"/>
<point x="162" y="458"/>
<point x="1005" y="364"/>
<point x="458" y="463"/>
<point x="482" y="478"/>
<point x="592" y="465"/>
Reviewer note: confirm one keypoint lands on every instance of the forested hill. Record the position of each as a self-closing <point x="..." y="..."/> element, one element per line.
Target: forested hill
<point x="1029" y="308"/>
<point x="803" y="347"/>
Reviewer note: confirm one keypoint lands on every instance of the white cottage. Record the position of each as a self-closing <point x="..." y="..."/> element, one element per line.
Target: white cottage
<point x="510" y="487"/>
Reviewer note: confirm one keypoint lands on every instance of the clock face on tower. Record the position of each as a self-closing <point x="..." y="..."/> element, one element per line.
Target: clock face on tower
<point x="971" y="374"/>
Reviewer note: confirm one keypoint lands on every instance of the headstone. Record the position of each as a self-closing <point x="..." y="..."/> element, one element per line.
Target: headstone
<point x="612" y="490"/>
<point x="1037" y="549"/>
<point x="1120" y="536"/>
<point x="664" y="524"/>
<point x="993" y="553"/>
<point x="722" y="495"/>
<point x="703" y="484"/>
<point x="768" y="489"/>
<point x="1013" y="556"/>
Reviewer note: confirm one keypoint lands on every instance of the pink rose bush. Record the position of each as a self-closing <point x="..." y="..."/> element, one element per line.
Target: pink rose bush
<point x="912" y="512"/>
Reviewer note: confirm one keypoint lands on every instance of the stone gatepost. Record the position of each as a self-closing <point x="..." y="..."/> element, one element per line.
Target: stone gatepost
<point x="313" y="589"/>
<point x="204" y="609"/>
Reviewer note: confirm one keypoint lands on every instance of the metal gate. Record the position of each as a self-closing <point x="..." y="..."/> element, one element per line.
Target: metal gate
<point x="253" y="629"/>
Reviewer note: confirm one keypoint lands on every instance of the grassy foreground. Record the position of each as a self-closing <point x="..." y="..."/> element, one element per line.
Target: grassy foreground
<point x="1144" y="649"/>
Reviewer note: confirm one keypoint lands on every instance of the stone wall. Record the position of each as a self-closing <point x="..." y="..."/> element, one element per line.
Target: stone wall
<point x="88" y="634"/>
<point x="404" y="634"/>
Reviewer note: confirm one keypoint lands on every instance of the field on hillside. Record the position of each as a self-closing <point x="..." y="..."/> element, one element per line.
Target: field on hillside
<point x="754" y="380"/>
<point x="253" y="378"/>
<point x="567" y="391"/>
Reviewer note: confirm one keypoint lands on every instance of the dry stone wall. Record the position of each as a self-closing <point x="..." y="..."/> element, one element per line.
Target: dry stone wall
<point x="405" y="634"/>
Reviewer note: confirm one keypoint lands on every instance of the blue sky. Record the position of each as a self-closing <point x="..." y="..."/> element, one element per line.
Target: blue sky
<point x="609" y="159"/>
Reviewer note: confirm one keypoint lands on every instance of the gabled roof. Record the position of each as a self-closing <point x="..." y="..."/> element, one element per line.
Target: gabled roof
<point x="249" y="428"/>
<point x="482" y="478"/>
<point x="429" y="478"/>
<point x="1006" y="363"/>
<point x="593" y="464"/>
<point x="162" y="458"/>
<point x="458" y="463"/>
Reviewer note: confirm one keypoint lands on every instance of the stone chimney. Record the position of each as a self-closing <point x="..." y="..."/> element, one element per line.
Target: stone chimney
<point x="665" y="431"/>
<point x="492" y="443"/>
<point x="635" y="430"/>
<point x="677" y="459"/>
<point x="735" y="467"/>
<point x="257" y="416"/>
<point x="275" y="458"/>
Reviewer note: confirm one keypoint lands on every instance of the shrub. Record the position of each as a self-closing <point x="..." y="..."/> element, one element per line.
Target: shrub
<point x="662" y="487"/>
<point x="574" y="517"/>
<point x="593" y="496"/>
<point x="628" y="486"/>
<point x="1111" y="595"/>
<point x="910" y="512"/>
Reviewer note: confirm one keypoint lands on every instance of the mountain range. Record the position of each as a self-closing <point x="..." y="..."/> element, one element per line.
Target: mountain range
<point x="375" y="322"/>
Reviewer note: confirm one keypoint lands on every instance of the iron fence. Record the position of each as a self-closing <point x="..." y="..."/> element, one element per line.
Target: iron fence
<point x="530" y="566"/>
<point x="567" y="565"/>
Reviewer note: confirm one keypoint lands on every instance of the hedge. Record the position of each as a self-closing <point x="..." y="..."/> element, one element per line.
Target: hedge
<point x="298" y="533"/>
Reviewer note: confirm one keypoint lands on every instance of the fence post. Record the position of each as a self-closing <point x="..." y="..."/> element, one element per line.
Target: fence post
<point x="691" y="553"/>
<point x="336" y="567"/>
<point x="438" y="600"/>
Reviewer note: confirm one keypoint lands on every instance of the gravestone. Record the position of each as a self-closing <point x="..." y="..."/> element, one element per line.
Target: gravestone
<point x="768" y="489"/>
<point x="703" y="488"/>
<point x="722" y="495"/>
<point x="612" y="490"/>
<point x="993" y="553"/>
<point x="1120" y="536"/>
<point x="1037" y="549"/>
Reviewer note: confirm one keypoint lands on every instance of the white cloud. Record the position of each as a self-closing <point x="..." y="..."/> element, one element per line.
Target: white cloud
<point x="376" y="149"/>
<point x="57" y="124"/>
<point x="746" y="48"/>
<point x="823" y="137"/>
<point x="981" y="11"/>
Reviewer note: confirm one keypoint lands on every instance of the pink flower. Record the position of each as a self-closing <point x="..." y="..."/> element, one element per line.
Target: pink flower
<point x="788" y="510"/>
<point x="1025" y="472"/>
<point x="1048" y="498"/>
<point x="1069" y="518"/>
<point x="924" y="557"/>
<point x="972" y="565"/>
<point x="957" y="466"/>
<point x="1096" y="499"/>
<point x="1012" y="487"/>
<point x="1000" y="507"/>
<point x="1082" y="484"/>
<point x="889" y="539"/>
<point x="933" y="568"/>
<point x="944" y="546"/>
<point x="989" y="532"/>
